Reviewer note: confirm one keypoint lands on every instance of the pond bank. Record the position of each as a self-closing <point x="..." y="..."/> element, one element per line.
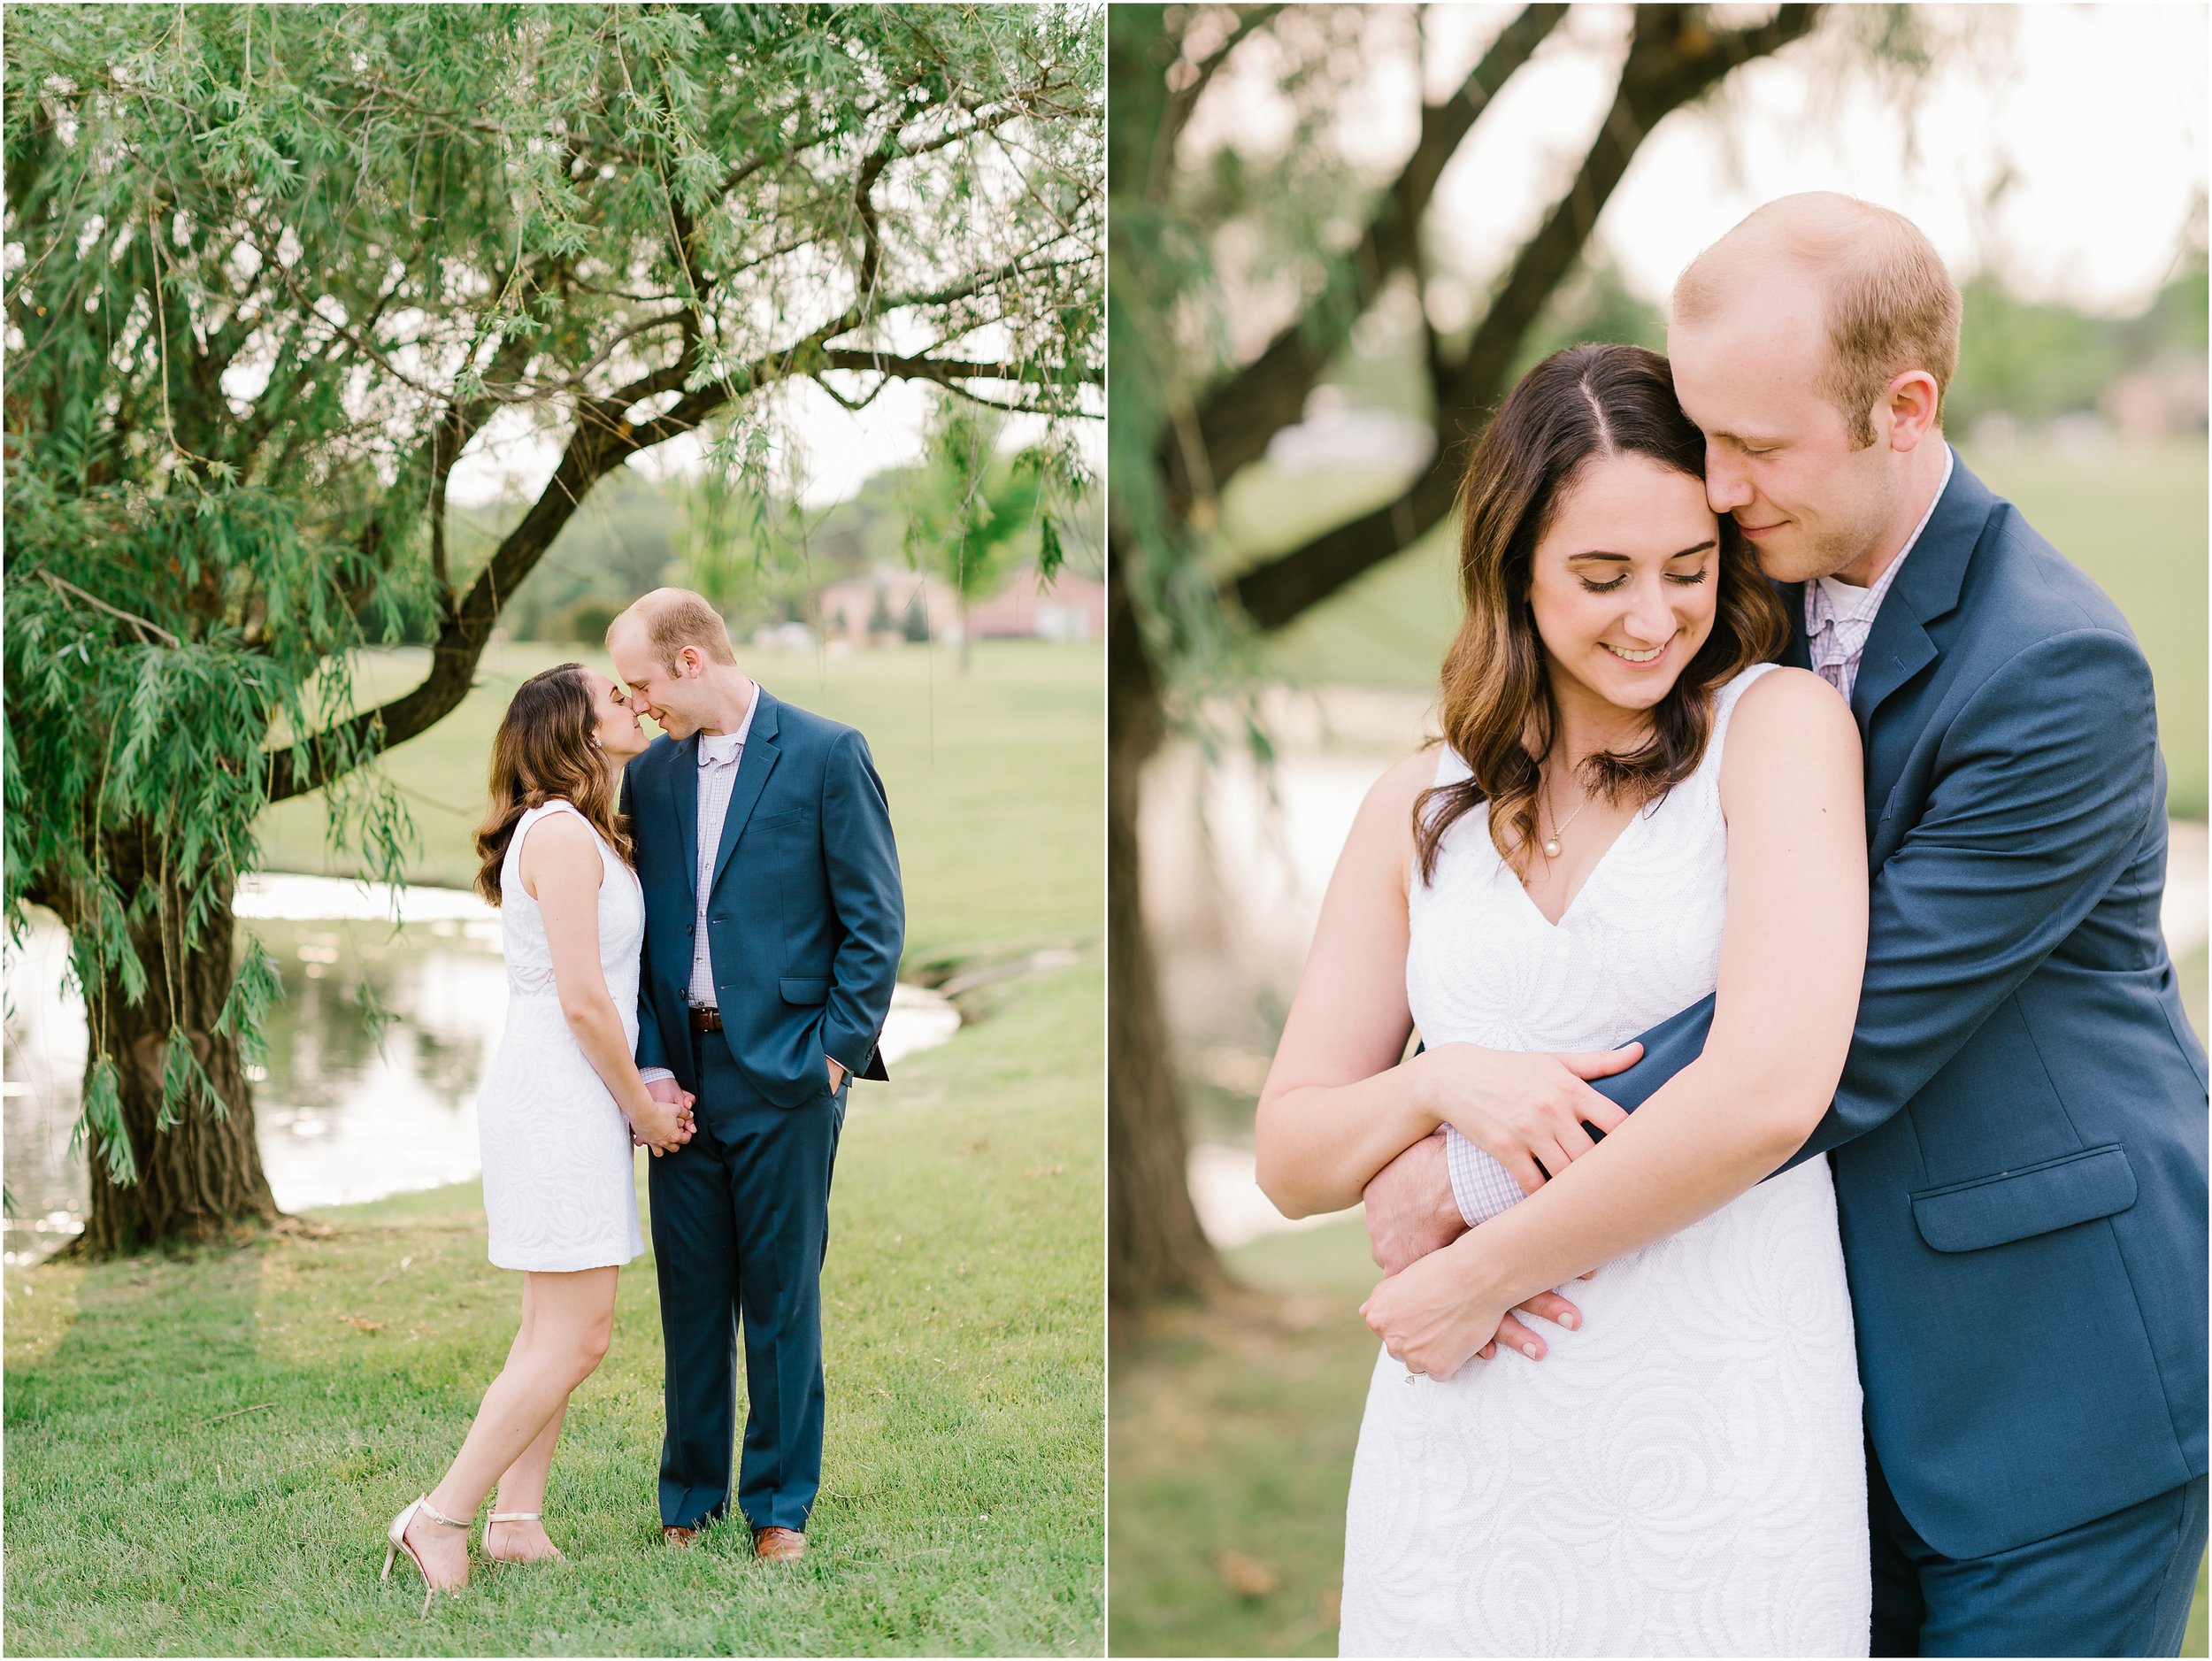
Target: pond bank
<point x="343" y="1114"/>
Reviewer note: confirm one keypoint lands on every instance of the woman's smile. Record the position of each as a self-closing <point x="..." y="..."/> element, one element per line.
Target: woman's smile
<point x="1641" y="659"/>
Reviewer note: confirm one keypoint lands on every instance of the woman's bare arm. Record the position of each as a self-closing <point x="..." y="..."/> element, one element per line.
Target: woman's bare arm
<point x="1792" y="951"/>
<point x="1337" y="1106"/>
<point x="561" y="869"/>
<point x="1338" y="1103"/>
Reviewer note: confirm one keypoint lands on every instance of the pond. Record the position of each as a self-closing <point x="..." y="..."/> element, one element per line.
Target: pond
<point x="343" y="1114"/>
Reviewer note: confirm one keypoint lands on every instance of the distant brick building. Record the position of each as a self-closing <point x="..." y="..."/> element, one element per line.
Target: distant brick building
<point x="1072" y="608"/>
<point x="875" y="610"/>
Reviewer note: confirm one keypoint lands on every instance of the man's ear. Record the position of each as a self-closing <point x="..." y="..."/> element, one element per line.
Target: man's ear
<point x="1913" y="404"/>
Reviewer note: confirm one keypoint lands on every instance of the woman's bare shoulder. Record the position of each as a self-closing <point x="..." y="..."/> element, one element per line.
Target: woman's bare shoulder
<point x="1390" y="799"/>
<point x="562" y="832"/>
<point x="1383" y="827"/>
<point x="1785" y="699"/>
<point x="561" y="846"/>
<point x="1790" y="731"/>
<point x="1402" y="784"/>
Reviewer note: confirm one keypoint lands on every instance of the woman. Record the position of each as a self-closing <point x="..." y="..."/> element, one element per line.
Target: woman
<point x="560" y="1104"/>
<point x="1632" y="809"/>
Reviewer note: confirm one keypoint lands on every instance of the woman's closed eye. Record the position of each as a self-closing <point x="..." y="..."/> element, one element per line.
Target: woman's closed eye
<point x="1688" y="579"/>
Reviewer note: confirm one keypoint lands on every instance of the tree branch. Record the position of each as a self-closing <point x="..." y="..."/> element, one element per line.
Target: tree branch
<point x="1673" y="59"/>
<point x="455" y="429"/>
<point x="946" y="371"/>
<point x="62" y="586"/>
<point x="1236" y="419"/>
<point x="601" y="440"/>
<point x="1176" y="116"/>
<point x="314" y="762"/>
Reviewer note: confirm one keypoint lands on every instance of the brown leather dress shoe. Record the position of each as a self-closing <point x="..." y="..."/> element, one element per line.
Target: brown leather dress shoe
<point x="674" y="1536"/>
<point x="779" y="1545"/>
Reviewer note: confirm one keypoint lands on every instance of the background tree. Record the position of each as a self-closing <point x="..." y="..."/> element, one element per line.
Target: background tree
<point x="628" y="536"/>
<point x="748" y="552"/>
<point x="270" y="272"/>
<point x="1317" y="247"/>
<point x="975" y="512"/>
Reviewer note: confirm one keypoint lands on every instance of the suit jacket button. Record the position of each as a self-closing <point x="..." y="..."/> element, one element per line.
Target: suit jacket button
<point x="688" y="927"/>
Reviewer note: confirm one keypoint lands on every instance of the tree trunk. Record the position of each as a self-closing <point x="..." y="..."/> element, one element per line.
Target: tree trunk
<point x="967" y="640"/>
<point x="1155" y="1249"/>
<point x="200" y="1180"/>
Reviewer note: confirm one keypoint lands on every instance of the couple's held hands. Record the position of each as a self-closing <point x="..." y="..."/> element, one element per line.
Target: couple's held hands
<point x="664" y="1132"/>
<point x="1433" y="1317"/>
<point x="668" y="1128"/>
<point x="1526" y="1110"/>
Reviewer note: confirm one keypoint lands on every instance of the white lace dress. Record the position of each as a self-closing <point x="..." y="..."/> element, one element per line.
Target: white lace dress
<point x="559" y="1187"/>
<point x="1684" y="1475"/>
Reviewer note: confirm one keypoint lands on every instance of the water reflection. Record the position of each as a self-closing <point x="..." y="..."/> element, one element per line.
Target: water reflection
<point x="345" y="1111"/>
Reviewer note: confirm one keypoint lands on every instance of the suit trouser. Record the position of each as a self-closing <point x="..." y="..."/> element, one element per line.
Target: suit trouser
<point x="741" y="1225"/>
<point x="2115" y="1585"/>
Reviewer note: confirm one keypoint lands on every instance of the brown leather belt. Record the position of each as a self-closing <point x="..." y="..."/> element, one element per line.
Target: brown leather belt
<point x="706" y="1020"/>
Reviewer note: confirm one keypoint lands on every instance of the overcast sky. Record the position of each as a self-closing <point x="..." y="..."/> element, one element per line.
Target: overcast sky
<point x="2097" y="111"/>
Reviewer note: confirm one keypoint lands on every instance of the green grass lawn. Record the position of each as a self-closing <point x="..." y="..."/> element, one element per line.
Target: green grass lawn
<point x="202" y="1451"/>
<point x="963" y="1477"/>
<point x="2133" y="519"/>
<point x="1233" y="1429"/>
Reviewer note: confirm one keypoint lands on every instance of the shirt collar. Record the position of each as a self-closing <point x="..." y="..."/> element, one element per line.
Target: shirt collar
<point x="716" y="748"/>
<point x="1846" y="601"/>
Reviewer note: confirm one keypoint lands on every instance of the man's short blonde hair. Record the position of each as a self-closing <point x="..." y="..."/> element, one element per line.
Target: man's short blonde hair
<point x="674" y="619"/>
<point x="1891" y="305"/>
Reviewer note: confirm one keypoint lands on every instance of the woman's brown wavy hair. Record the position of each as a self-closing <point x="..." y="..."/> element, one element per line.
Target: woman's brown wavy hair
<point x="544" y="748"/>
<point x="1497" y="708"/>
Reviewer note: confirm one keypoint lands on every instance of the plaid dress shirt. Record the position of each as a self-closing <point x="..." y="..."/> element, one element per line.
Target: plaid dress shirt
<point x="1838" y="616"/>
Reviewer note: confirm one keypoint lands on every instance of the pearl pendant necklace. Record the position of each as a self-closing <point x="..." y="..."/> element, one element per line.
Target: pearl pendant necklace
<point x="1551" y="843"/>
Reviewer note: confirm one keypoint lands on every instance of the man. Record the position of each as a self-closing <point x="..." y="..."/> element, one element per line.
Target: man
<point x="773" y="922"/>
<point x="2019" y="1135"/>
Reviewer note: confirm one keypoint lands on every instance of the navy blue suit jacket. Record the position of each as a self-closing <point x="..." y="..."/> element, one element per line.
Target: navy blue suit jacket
<point x="2019" y="1135"/>
<point x="805" y="917"/>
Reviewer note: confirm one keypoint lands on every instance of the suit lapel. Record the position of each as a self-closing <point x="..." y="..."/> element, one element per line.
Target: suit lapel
<point x="753" y="765"/>
<point x="1898" y="647"/>
<point x="683" y="785"/>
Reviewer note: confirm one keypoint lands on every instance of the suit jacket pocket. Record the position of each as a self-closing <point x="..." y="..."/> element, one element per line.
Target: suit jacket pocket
<point x="1994" y="1211"/>
<point x="804" y="989"/>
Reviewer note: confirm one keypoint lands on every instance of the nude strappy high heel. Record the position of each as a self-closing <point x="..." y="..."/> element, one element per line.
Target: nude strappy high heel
<point x="396" y="1542"/>
<point x="515" y="1516"/>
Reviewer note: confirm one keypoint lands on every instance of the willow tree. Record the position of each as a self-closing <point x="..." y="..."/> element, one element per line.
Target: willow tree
<point x="1210" y="233"/>
<point x="974" y="512"/>
<point x="269" y="274"/>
